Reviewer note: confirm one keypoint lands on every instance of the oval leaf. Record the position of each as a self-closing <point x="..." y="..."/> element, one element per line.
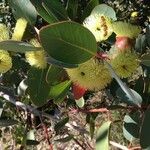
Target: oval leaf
<point x="105" y="10"/>
<point x="17" y="46"/>
<point x="102" y="142"/>
<point x="63" y="42"/>
<point x="145" y="134"/>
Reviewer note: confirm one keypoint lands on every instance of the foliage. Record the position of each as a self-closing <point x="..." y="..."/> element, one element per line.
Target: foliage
<point x="61" y="55"/>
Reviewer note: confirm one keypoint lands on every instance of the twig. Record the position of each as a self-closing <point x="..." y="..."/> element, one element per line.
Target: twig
<point x="100" y="110"/>
<point x="5" y="94"/>
<point x="118" y="145"/>
<point x="46" y="134"/>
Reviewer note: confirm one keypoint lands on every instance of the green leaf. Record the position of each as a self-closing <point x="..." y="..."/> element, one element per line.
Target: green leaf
<point x="105" y="10"/>
<point x="61" y="124"/>
<point x="59" y="91"/>
<point x="68" y="42"/>
<point x="145" y="59"/>
<point x="80" y="102"/>
<point x="7" y="122"/>
<point x="91" y="4"/>
<point x="38" y="88"/>
<point x="61" y="64"/>
<point x="25" y="9"/>
<point x="54" y="74"/>
<point x="65" y="139"/>
<point x="72" y="8"/>
<point x="145" y="134"/>
<point x="102" y="141"/>
<point x="17" y="46"/>
<point x="131" y="126"/>
<point x="43" y="12"/>
<point x="122" y="95"/>
<point x="51" y="11"/>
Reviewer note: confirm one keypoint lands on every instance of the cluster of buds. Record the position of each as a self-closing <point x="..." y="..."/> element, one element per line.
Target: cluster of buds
<point x="93" y="74"/>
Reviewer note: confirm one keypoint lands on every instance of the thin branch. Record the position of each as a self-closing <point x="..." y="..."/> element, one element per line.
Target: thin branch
<point x="100" y="110"/>
<point x="118" y="145"/>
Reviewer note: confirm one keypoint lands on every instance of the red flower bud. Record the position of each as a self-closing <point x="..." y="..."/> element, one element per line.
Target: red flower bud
<point x="123" y="43"/>
<point x="78" y="91"/>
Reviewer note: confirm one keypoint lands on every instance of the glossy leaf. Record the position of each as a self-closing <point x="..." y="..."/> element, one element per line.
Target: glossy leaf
<point x="72" y="8"/>
<point x="91" y="4"/>
<point x="61" y="124"/>
<point x="105" y="10"/>
<point x="17" y="46"/>
<point x="7" y="122"/>
<point x="38" y="88"/>
<point x="25" y="9"/>
<point x="145" y="59"/>
<point x="102" y="140"/>
<point x="59" y="91"/>
<point x="145" y="134"/>
<point x="51" y="11"/>
<point x="131" y="126"/>
<point x="68" y="48"/>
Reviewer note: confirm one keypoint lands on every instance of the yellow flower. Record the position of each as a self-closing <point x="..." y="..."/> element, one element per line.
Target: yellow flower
<point x="36" y="58"/>
<point x="134" y="14"/>
<point x="19" y="30"/>
<point x="5" y="61"/>
<point x="99" y="25"/>
<point x="124" y="29"/>
<point x="4" y="33"/>
<point x="92" y="75"/>
<point x="125" y="63"/>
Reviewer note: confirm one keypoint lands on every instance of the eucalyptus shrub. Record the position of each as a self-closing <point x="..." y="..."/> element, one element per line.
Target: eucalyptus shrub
<point x="60" y="53"/>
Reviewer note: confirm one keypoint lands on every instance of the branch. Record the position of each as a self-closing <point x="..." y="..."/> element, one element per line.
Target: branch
<point x="118" y="145"/>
